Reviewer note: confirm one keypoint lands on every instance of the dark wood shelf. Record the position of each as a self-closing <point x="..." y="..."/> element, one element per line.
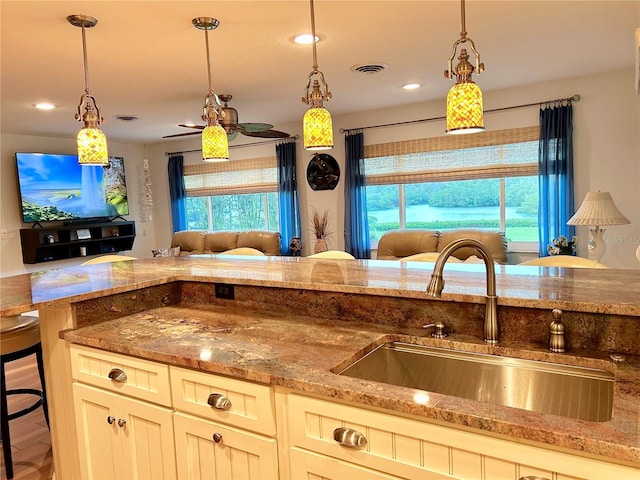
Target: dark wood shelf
<point x="65" y="241"/>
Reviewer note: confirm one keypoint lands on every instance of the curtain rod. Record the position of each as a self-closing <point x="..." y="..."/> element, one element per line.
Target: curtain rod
<point x="574" y="98"/>
<point x="295" y="137"/>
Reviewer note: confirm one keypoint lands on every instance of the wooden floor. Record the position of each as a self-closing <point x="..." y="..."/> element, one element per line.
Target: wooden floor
<point x="30" y="439"/>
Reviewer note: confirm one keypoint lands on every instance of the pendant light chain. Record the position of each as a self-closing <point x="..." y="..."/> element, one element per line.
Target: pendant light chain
<point x="86" y="62"/>
<point x="206" y="41"/>
<point x="313" y="39"/>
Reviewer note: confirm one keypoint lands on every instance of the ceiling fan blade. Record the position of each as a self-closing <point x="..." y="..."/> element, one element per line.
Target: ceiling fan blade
<point x="181" y="134"/>
<point x="267" y="134"/>
<point x="199" y="127"/>
<point x="232" y="136"/>
<point x="253" y="127"/>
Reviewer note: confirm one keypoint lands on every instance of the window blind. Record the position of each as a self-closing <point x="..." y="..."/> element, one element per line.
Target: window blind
<point x="496" y="154"/>
<point x="253" y="175"/>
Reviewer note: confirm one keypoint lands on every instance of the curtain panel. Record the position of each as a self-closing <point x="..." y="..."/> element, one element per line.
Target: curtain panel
<point x="177" y="193"/>
<point x="356" y="222"/>
<point x="287" y="194"/>
<point x="555" y="174"/>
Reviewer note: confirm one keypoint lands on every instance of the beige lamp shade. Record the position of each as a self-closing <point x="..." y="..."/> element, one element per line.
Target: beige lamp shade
<point x="317" y="129"/>
<point x="92" y="147"/>
<point x="215" y="146"/>
<point x="598" y="209"/>
<point x="464" y="109"/>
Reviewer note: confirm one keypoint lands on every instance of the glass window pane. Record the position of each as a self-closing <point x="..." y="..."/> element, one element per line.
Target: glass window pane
<point x="458" y="204"/>
<point x="254" y="211"/>
<point x="196" y="213"/>
<point x="382" y="210"/>
<point x="521" y="199"/>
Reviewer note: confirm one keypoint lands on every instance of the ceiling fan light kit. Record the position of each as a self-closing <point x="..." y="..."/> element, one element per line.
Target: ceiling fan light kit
<point x="92" y="142"/>
<point x="317" y="126"/>
<point x="464" y="100"/>
<point x="215" y="146"/>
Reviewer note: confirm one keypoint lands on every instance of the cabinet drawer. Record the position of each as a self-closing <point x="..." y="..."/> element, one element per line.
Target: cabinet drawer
<point x="251" y="406"/>
<point x="144" y="379"/>
<point x="416" y="449"/>
<point x="207" y="450"/>
<point x="312" y="466"/>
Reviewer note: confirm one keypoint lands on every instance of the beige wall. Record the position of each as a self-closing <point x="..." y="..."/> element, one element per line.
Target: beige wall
<point x="606" y="152"/>
<point x="11" y="217"/>
<point x="606" y="156"/>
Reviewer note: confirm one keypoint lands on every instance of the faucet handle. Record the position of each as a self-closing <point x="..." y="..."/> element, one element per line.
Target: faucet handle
<point x="439" y="331"/>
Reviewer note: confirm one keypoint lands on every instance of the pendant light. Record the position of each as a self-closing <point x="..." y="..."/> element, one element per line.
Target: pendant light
<point x="92" y="143"/>
<point x="215" y="146"/>
<point x="316" y="125"/>
<point x="464" y="101"/>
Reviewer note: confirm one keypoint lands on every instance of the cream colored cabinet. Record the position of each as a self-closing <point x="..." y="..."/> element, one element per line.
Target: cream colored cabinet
<point x="410" y="448"/>
<point x="120" y="436"/>
<point x="224" y="428"/>
<point x="206" y="450"/>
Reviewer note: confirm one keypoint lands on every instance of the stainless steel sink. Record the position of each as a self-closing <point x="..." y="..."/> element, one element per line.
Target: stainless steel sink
<point x="574" y="392"/>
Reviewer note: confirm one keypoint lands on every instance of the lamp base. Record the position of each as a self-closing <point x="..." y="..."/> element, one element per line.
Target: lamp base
<point x="596" y="245"/>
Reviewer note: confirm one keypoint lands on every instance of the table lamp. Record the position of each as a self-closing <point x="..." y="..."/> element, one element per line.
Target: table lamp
<point x="597" y="209"/>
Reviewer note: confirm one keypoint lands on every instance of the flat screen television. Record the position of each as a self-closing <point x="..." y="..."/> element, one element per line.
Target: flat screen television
<point x="56" y="187"/>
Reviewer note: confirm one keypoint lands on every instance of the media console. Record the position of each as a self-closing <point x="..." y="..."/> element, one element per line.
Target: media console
<point x="70" y="241"/>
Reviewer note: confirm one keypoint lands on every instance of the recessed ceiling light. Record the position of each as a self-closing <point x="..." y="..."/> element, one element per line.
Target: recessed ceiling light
<point x="305" y="39"/>
<point x="44" y="106"/>
<point x="411" y="86"/>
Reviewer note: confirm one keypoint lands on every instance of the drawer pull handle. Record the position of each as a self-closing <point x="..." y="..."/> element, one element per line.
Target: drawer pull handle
<point x="121" y="422"/>
<point x="219" y="401"/>
<point x="111" y="419"/>
<point x="533" y="477"/>
<point x="349" y="438"/>
<point x="118" y="375"/>
<point x="217" y="437"/>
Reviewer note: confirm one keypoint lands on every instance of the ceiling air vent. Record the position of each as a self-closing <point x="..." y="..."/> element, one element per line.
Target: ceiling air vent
<point x="126" y="118"/>
<point x="369" y="68"/>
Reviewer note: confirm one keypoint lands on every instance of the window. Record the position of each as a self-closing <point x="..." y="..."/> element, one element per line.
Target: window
<point x="489" y="180"/>
<point x="234" y="195"/>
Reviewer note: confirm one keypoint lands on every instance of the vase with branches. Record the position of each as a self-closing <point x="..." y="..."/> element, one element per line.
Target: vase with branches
<point x="320" y="228"/>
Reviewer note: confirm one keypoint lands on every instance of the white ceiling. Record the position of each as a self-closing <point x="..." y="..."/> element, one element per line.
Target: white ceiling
<point x="146" y="59"/>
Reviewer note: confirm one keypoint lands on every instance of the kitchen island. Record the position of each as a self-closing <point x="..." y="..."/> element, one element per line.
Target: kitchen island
<point x="292" y="323"/>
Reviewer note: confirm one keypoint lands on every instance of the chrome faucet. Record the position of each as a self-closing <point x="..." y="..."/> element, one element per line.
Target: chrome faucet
<point x="436" y="285"/>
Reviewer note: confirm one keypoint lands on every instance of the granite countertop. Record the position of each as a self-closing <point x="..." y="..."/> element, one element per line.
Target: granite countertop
<point x="301" y="353"/>
<point x="585" y="290"/>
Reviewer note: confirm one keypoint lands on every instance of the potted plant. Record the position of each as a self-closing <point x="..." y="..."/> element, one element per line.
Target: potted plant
<point x="320" y="228"/>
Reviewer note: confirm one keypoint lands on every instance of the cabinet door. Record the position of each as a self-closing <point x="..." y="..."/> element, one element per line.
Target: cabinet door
<point x="312" y="466"/>
<point x="99" y="441"/>
<point x="147" y="437"/>
<point x="238" y="455"/>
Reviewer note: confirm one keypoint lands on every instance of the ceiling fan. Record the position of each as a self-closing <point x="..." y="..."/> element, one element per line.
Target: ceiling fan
<point x="229" y="122"/>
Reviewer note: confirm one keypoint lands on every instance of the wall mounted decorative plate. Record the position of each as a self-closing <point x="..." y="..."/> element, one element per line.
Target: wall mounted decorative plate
<point x="323" y="172"/>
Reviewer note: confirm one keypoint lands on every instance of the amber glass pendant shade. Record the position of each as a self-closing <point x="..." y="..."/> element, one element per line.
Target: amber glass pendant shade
<point x="215" y="146"/>
<point x="464" y="109"/>
<point x="92" y="147"/>
<point x="317" y="129"/>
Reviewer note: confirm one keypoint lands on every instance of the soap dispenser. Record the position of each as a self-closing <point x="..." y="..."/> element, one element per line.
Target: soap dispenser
<point x="556" y="332"/>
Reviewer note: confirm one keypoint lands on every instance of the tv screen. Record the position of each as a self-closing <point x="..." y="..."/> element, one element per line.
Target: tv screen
<point x="56" y="187"/>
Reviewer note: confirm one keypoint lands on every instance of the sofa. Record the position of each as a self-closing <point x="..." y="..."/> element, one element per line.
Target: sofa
<point x="398" y="244"/>
<point x="193" y="242"/>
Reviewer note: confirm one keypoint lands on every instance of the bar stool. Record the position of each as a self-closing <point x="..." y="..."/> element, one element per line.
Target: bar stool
<point x="19" y="338"/>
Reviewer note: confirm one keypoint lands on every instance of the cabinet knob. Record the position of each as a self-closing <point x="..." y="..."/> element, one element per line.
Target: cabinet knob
<point x="111" y="419"/>
<point x="217" y="437"/>
<point x="118" y="375"/>
<point x="121" y="422"/>
<point x="349" y="438"/>
<point x="219" y="401"/>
